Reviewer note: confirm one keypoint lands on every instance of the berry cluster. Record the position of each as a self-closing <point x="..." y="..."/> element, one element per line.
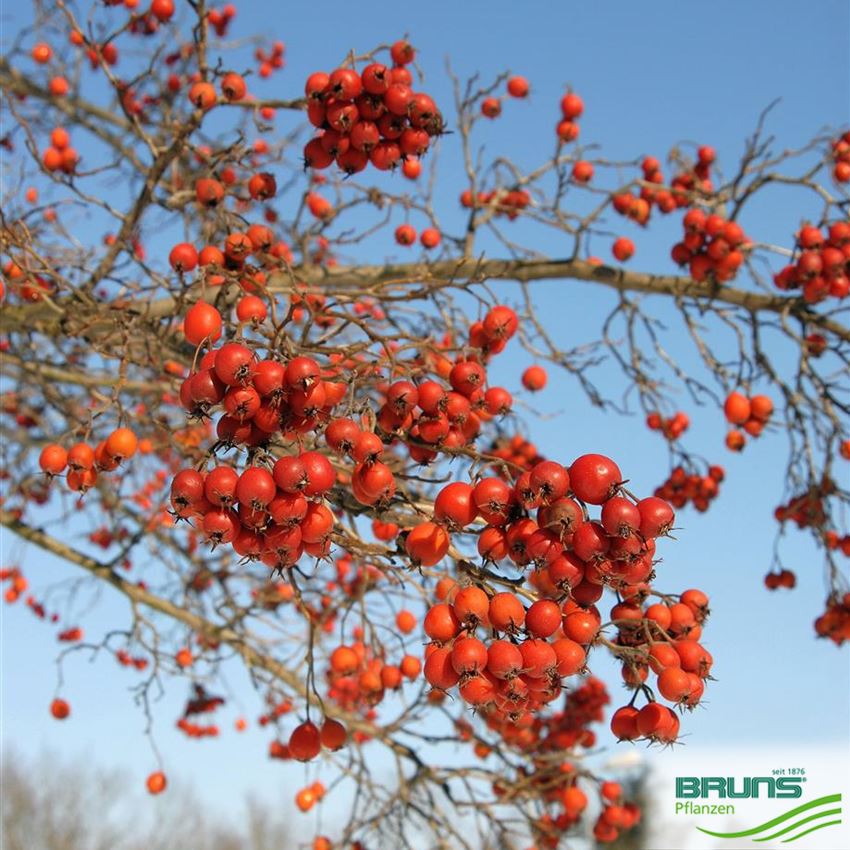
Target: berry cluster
<point x="272" y="515"/>
<point x="307" y="797"/>
<point x="405" y="234"/>
<point x="126" y="660"/>
<point x="807" y="509"/>
<point x="671" y="427"/>
<point x="18" y="583"/>
<point x="516" y="666"/>
<point x="572" y="107"/>
<point x="696" y="178"/>
<point x="662" y="638"/>
<point x="60" y="156"/>
<point x="72" y="635"/>
<point x="556" y="782"/>
<point x="836" y="543"/>
<point x="841" y="157"/>
<point x="834" y="623"/>
<point x="84" y="462"/>
<point x="508" y="203"/>
<point x="711" y="246"/>
<point x="307" y="740"/>
<point x="822" y="265"/>
<point x="638" y="207"/>
<point x="516" y="451"/>
<point x="275" y="511"/>
<point x="783" y="578"/>
<point x="28" y="286"/>
<point x="197" y="730"/>
<point x="374" y="116"/>
<point x="276" y="709"/>
<point x="752" y="414"/>
<point x="220" y="19"/>
<point x="682" y="487"/>
<point x="18" y="586"/>
<point x="271" y="61"/>
<point x="358" y="679"/>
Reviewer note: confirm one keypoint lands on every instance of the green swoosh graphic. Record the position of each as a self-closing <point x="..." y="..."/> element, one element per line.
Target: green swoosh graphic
<point x="821" y="801"/>
<point x="819" y="826"/>
<point x="823" y="814"/>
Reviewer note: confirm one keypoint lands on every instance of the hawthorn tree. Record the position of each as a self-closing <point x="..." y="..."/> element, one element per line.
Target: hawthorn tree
<point x="301" y="462"/>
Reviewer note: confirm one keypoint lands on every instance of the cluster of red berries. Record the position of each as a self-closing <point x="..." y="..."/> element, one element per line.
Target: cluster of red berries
<point x="307" y="739"/>
<point x="196" y="730"/>
<point x="105" y="537"/>
<point x="405" y="234"/>
<point x="71" y="635"/>
<point x="18" y="583"/>
<point x="29" y="287"/>
<point x="271" y="61"/>
<point x="638" y="207"/>
<point x="682" y="487"/>
<point x="273" y="594"/>
<point x="199" y="703"/>
<point x="834" y="623"/>
<point x="517" y="452"/>
<point x="672" y="427"/>
<point x="822" y="265"/>
<point x="696" y="178"/>
<point x="752" y="414"/>
<point x="259" y="240"/>
<point x="358" y="679"/>
<point x="220" y="19"/>
<point x="557" y="782"/>
<point x="126" y="660"/>
<point x="279" y="514"/>
<point x="274" y="515"/>
<point x="783" y="578"/>
<point x="374" y="116"/>
<point x="307" y="797"/>
<point x="276" y="709"/>
<point x="84" y="463"/>
<point x="18" y="586"/>
<point x="60" y="156"/>
<point x="573" y="557"/>
<point x="807" y="509"/>
<point x="147" y="23"/>
<point x="210" y="191"/>
<point x="662" y="638"/>
<point x="836" y="543"/>
<point x="572" y="107"/>
<point x="504" y="202"/>
<point x="711" y="246"/>
<point x="841" y="158"/>
<point x="428" y="415"/>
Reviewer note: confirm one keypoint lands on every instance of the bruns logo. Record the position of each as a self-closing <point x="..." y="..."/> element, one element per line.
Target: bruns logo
<point x="748" y="787"/>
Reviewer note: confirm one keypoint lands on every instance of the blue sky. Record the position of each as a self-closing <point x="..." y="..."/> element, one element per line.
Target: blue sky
<point x="651" y="75"/>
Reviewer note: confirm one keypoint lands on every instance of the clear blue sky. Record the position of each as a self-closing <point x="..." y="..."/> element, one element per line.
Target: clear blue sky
<point x="651" y="75"/>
